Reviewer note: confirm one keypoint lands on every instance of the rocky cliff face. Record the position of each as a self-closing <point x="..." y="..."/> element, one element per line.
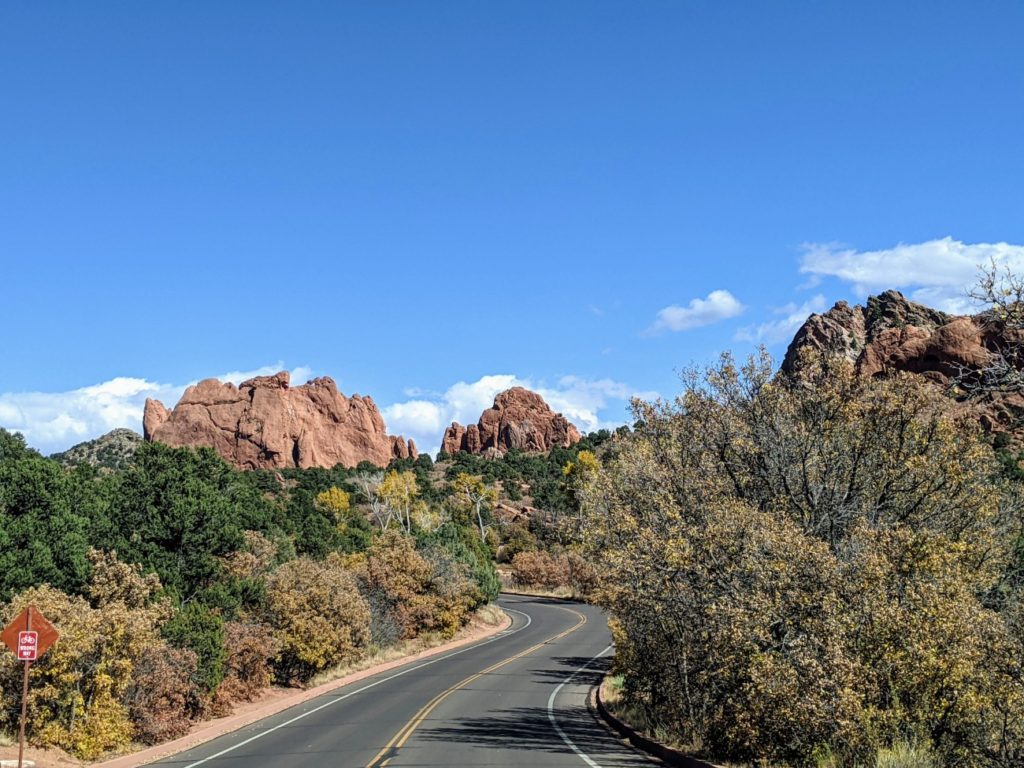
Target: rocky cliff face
<point x="266" y="423"/>
<point x="893" y="334"/>
<point x="518" y="419"/>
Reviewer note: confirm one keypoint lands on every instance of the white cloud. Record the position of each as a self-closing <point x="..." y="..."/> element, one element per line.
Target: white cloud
<point x="417" y="417"/>
<point x="298" y="375"/>
<point x="589" y="404"/>
<point x="782" y="329"/>
<point x="935" y="272"/>
<point x="719" y="305"/>
<point x="54" y="421"/>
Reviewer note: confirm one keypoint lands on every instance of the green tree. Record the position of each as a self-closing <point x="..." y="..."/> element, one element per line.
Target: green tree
<point x="200" y="630"/>
<point x="178" y="512"/>
<point x="13" y="447"/>
<point x="43" y="538"/>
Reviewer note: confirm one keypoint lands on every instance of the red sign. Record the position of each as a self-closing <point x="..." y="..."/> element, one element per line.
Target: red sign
<point x="28" y="646"/>
<point x="29" y="633"/>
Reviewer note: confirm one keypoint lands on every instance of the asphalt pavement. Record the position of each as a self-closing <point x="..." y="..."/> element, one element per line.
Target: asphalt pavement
<point x="516" y="699"/>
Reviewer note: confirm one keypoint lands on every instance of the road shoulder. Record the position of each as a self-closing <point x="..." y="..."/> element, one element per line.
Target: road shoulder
<point x="645" y="744"/>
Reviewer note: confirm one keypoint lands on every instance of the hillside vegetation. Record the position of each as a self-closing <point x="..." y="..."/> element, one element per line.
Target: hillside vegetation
<point x="815" y="570"/>
<point x="112" y="451"/>
<point x="182" y="586"/>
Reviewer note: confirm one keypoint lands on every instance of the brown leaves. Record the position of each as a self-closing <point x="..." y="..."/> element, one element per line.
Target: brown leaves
<point x="163" y="696"/>
<point x="251" y="649"/>
<point x="796" y="568"/>
<point x="113" y="581"/>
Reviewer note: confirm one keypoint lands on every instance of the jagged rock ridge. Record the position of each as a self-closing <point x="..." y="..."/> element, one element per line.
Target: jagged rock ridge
<point x="266" y="423"/>
<point x="518" y="419"/>
<point x="892" y="333"/>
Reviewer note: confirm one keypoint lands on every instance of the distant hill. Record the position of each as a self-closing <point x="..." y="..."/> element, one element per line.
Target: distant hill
<point x="111" y="451"/>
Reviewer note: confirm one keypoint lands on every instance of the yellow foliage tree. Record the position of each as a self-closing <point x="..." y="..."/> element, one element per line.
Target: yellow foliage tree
<point x="319" y="617"/>
<point x="473" y="494"/>
<point x="335" y="501"/>
<point x="399" y="492"/>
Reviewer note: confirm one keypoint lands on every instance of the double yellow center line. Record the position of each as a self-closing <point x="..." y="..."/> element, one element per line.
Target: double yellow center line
<point x="382" y="758"/>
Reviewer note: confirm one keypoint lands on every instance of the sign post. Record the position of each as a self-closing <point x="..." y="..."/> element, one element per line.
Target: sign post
<point x="29" y="635"/>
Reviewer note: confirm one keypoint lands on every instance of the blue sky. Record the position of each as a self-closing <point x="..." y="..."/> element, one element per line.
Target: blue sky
<point x="428" y="201"/>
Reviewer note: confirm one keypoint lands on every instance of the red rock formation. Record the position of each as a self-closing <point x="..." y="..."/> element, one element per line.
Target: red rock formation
<point x="893" y="334"/>
<point x="265" y="423"/>
<point x="518" y="419"/>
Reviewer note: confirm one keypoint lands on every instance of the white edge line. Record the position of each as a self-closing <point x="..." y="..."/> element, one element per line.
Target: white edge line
<point x="554" y="722"/>
<point x="336" y="699"/>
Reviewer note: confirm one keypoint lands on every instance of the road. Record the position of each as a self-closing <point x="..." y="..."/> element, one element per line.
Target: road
<point x="517" y="699"/>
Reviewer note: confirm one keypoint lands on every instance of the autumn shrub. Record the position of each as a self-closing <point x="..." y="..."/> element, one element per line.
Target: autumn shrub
<point x="319" y="617"/>
<point x="583" y="576"/>
<point x="80" y="691"/>
<point x="255" y="559"/>
<point x="404" y="577"/>
<point x="251" y="649"/>
<point x="163" y="697"/>
<point x="540" y="568"/>
<point x="804" y="567"/>
<point x="455" y="592"/>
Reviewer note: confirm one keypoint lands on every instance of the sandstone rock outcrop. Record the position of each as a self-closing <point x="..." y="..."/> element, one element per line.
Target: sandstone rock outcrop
<point x="893" y="334"/>
<point x="266" y="423"/>
<point x="518" y="419"/>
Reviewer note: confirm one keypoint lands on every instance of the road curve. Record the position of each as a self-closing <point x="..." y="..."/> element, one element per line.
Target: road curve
<point x="518" y="698"/>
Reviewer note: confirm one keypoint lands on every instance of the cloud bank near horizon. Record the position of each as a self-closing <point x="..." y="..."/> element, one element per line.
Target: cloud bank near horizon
<point x="935" y="272"/>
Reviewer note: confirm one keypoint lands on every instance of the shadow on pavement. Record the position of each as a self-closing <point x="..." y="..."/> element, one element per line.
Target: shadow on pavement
<point x="529" y="729"/>
<point x="569" y="664"/>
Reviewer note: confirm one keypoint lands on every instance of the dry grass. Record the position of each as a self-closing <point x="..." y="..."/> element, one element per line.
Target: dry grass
<point x="489" y="615"/>
<point x="564" y="593"/>
<point x="633" y="715"/>
<point x="906" y="755"/>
